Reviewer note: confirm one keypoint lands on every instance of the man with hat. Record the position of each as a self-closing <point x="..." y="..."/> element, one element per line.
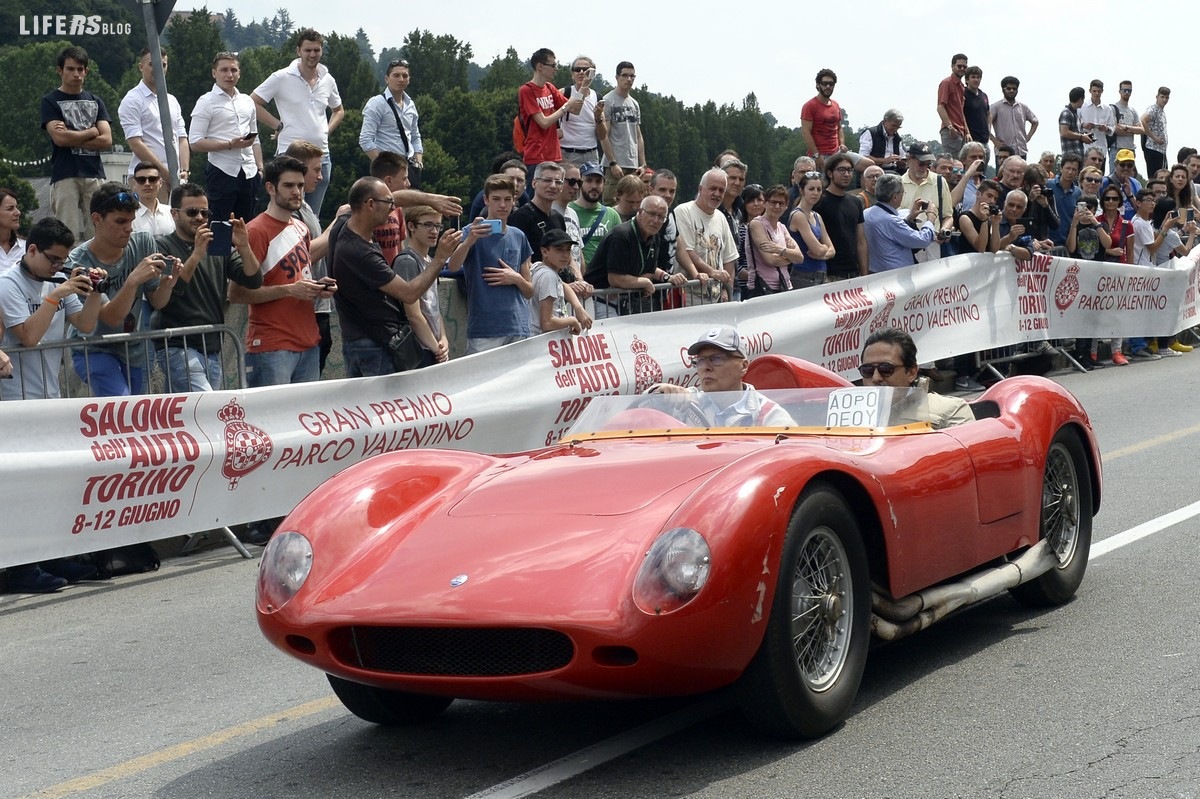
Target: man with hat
<point x="596" y="220"/>
<point x="1124" y="176"/>
<point x="720" y="365"/>
<point x="554" y="305"/>
<point x="921" y="183"/>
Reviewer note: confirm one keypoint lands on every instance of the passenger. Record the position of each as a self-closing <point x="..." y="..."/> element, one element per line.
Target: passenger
<point x="721" y="365"/>
<point x="890" y="359"/>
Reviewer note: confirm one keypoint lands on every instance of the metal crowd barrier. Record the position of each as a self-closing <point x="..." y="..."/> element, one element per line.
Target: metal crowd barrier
<point x="988" y="359"/>
<point x="71" y="384"/>
<point x="625" y="302"/>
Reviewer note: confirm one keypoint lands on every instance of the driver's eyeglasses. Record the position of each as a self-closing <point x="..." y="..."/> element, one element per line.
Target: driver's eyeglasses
<point x="885" y="369"/>
<point x="716" y="359"/>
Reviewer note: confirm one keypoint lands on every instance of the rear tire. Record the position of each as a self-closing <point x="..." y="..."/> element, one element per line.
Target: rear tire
<point x="1066" y="520"/>
<point x="805" y="676"/>
<point x="386" y="707"/>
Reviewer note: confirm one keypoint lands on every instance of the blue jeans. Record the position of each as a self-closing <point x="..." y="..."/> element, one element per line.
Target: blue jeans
<point x="365" y="358"/>
<point x="281" y="367"/>
<point x="108" y="375"/>
<point x="317" y="195"/>
<point x="190" y="369"/>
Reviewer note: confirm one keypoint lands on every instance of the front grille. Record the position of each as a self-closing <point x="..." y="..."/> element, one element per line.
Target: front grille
<point x="453" y="652"/>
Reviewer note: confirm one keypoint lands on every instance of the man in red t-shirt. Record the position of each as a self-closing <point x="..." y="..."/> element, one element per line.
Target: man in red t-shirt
<point x="950" y="97"/>
<point x="821" y="122"/>
<point x="282" y="337"/>
<point x="539" y="106"/>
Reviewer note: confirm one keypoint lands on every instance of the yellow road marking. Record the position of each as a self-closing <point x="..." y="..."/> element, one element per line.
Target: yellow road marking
<point x="137" y="765"/>
<point x="1150" y="442"/>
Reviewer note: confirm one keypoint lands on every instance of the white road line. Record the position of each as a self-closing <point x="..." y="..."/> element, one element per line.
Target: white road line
<point x="576" y="763"/>
<point x="1142" y="530"/>
<point x="532" y="782"/>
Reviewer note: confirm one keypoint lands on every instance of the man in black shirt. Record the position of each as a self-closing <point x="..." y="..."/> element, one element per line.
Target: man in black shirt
<point x="975" y="107"/>
<point x="843" y="215"/>
<point x="537" y="216"/>
<point x="634" y="257"/>
<point x="370" y="295"/>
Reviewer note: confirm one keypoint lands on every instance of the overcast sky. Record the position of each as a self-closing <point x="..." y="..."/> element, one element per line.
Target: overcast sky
<point x="699" y="51"/>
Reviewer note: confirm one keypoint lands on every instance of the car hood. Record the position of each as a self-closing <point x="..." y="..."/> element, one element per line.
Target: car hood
<point x="608" y="478"/>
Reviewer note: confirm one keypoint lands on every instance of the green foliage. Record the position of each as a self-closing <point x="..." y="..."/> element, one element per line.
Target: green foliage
<point x="257" y="63"/>
<point x="355" y="75"/>
<point x="437" y="63"/>
<point x="349" y="162"/>
<point x="506" y="72"/>
<point x="273" y="32"/>
<point x="192" y="41"/>
<point x="442" y="173"/>
<point x="110" y="54"/>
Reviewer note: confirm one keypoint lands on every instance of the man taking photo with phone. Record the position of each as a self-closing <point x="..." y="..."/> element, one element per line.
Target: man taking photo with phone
<point x="198" y="277"/>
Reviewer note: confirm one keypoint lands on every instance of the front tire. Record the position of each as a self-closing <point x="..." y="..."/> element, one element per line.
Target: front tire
<point x="805" y="676"/>
<point x="389" y="708"/>
<point x="1066" y="521"/>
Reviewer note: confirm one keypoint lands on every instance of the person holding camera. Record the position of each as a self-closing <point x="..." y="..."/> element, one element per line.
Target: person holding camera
<point x="891" y="238"/>
<point x="133" y="265"/>
<point x="980" y="224"/>
<point x="922" y="183"/>
<point x="205" y="254"/>
<point x="37" y="301"/>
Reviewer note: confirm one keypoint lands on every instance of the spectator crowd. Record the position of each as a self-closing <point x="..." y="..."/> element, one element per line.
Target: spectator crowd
<point x="573" y="224"/>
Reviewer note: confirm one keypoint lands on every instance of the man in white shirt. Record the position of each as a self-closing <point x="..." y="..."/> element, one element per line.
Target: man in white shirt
<point x="142" y="123"/>
<point x="152" y="216"/>
<point x="1097" y="118"/>
<point x="391" y="123"/>
<point x="583" y="132"/>
<point x="706" y="249"/>
<point x="302" y="92"/>
<point x="224" y="126"/>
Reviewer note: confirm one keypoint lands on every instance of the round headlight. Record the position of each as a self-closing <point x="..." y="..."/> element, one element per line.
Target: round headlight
<point x="673" y="571"/>
<point x="285" y="565"/>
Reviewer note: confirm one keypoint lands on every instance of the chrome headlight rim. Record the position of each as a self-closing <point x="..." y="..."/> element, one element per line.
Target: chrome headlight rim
<point x="673" y="572"/>
<point x="284" y="568"/>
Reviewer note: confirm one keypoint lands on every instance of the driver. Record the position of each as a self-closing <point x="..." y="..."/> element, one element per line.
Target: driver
<point x="890" y="359"/>
<point x="720" y="365"/>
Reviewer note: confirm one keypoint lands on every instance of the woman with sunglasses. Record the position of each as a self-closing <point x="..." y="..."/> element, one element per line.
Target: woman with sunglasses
<point x="771" y="252"/>
<point x="12" y="246"/>
<point x="889" y="358"/>
<point x="1119" y="250"/>
<point x="808" y="229"/>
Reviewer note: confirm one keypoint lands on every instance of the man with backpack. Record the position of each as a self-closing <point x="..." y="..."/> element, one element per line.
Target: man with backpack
<point x="540" y="105"/>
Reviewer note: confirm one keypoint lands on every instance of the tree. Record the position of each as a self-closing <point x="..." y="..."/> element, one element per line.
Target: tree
<point x="192" y="41"/>
<point x="354" y="75"/>
<point x="110" y="54"/>
<point x="437" y="63"/>
<point x="364" y="44"/>
<point x="505" y="72"/>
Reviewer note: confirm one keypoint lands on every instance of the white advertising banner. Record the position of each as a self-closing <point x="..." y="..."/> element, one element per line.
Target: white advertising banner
<point x="81" y="475"/>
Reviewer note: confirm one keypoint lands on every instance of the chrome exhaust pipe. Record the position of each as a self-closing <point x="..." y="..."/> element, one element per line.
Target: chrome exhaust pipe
<point x="892" y="619"/>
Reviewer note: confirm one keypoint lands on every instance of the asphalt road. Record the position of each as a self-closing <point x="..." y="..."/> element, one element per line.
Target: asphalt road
<point x="161" y="686"/>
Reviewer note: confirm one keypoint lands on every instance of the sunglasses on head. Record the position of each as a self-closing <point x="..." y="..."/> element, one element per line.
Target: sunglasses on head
<point x="399" y="62"/>
<point x="885" y="369"/>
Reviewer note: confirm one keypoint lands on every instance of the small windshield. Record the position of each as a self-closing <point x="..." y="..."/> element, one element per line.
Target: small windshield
<point x="856" y="409"/>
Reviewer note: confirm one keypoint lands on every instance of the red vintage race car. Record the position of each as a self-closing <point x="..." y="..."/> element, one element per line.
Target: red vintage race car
<point x="651" y="553"/>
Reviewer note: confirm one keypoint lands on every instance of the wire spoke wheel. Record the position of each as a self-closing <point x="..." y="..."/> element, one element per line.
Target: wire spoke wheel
<point x="821" y="608"/>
